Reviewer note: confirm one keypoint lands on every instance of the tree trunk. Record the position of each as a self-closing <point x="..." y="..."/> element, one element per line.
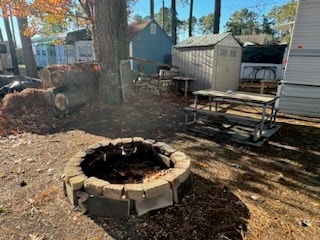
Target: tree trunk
<point x="15" y="66"/>
<point x="71" y="99"/>
<point x="217" y="13"/>
<point x="111" y="46"/>
<point x="31" y="67"/>
<point x="190" y="18"/>
<point x="174" y="22"/>
<point x="152" y="9"/>
<point x="1" y="36"/>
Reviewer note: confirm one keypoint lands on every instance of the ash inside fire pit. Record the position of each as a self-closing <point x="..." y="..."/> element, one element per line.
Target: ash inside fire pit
<point x="125" y="176"/>
<point x="121" y="164"/>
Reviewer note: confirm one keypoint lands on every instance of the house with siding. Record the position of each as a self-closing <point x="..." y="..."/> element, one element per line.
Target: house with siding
<point x="300" y="90"/>
<point x="148" y="40"/>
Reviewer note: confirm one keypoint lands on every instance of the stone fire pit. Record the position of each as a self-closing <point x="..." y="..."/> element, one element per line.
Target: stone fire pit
<point x="127" y="176"/>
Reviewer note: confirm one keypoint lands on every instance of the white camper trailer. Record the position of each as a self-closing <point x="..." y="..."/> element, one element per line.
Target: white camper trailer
<point x="300" y="90"/>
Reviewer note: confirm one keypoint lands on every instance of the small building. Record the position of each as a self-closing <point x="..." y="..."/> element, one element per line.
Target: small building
<point x="300" y="90"/>
<point x="148" y="40"/>
<point x="83" y="50"/>
<point x="214" y="60"/>
<point x="52" y="50"/>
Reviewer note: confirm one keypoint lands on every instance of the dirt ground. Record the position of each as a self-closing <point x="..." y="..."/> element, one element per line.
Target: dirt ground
<point x="239" y="192"/>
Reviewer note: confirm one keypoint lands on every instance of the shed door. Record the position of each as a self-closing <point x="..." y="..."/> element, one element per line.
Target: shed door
<point x="228" y="68"/>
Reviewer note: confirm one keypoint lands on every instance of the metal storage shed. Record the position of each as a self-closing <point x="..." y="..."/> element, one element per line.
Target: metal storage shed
<point x="300" y="90"/>
<point x="214" y="60"/>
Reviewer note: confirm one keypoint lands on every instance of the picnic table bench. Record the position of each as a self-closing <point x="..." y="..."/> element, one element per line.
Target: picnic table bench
<point x="262" y="127"/>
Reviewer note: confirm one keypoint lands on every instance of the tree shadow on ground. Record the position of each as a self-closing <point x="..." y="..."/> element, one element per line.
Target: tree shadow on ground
<point x="285" y="163"/>
<point x="209" y="211"/>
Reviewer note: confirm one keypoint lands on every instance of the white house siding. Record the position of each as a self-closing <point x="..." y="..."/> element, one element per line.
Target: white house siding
<point x="300" y="90"/>
<point x="300" y="99"/>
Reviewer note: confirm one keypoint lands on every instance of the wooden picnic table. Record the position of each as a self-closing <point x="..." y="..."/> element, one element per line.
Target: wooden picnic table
<point x="186" y="82"/>
<point x="263" y="101"/>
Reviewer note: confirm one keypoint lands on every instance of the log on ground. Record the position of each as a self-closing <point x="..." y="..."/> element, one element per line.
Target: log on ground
<point x="71" y="75"/>
<point x="72" y="99"/>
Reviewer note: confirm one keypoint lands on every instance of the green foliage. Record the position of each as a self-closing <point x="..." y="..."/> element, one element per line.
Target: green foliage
<point x="284" y="13"/>
<point x="243" y="22"/>
<point x="138" y="18"/>
<point x="205" y="24"/>
<point x="266" y="26"/>
<point x="164" y="19"/>
<point x="166" y="12"/>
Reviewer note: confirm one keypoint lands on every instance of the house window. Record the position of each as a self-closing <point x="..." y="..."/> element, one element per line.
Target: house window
<point x="44" y="53"/>
<point x="233" y="53"/>
<point x="153" y="28"/>
<point x="38" y="52"/>
<point x="85" y="51"/>
<point x="223" y="52"/>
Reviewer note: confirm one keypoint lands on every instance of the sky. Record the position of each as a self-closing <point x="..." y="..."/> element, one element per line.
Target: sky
<point x="201" y="8"/>
<point x="205" y="7"/>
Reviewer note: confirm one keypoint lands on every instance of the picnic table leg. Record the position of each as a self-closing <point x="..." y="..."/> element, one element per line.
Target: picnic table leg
<point x="186" y="85"/>
<point x="262" y="87"/>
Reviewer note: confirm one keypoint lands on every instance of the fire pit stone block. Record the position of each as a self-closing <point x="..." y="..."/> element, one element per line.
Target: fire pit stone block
<point x="172" y="179"/>
<point x="134" y="191"/>
<point x="167" y="149"/>
<point x="113" y="191"/>
<point x="95" y="186"/>
<point x="77" y="182"/>
<point x="71" y="171"/>
<point x="155" y="188"/>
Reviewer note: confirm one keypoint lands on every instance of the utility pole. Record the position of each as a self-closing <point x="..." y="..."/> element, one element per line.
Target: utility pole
<point x="152" y="9"/>
<point x="173" y="22"/>
<point x="163" y="14"/>
<point x="191" y="18"/>
<point x="217" y="13"/>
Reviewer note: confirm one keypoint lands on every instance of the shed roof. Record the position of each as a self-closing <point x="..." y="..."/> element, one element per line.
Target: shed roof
<point x="136" y="27"/>
<point x="78" y="35"/>
<point x="84" y="34"/>
<point x="202" y="41"/>
<point x="255" y="39"/>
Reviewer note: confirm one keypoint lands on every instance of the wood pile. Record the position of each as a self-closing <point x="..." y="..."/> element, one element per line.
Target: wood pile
<point x="73" y="85"/>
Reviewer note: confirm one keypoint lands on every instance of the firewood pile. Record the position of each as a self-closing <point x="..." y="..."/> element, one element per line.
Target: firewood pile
<point x="73" y="85"/>
<point x="65" y="89"/>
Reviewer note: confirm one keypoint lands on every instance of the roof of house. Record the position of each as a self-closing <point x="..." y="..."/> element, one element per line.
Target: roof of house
<point x="136" y="27"/>
<point x="78" y="35"/>
<point x="49" y="39"/>
<point x="260" y="39"/>
<point x="202" y="41"/>
<point x="84" y="34"/>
